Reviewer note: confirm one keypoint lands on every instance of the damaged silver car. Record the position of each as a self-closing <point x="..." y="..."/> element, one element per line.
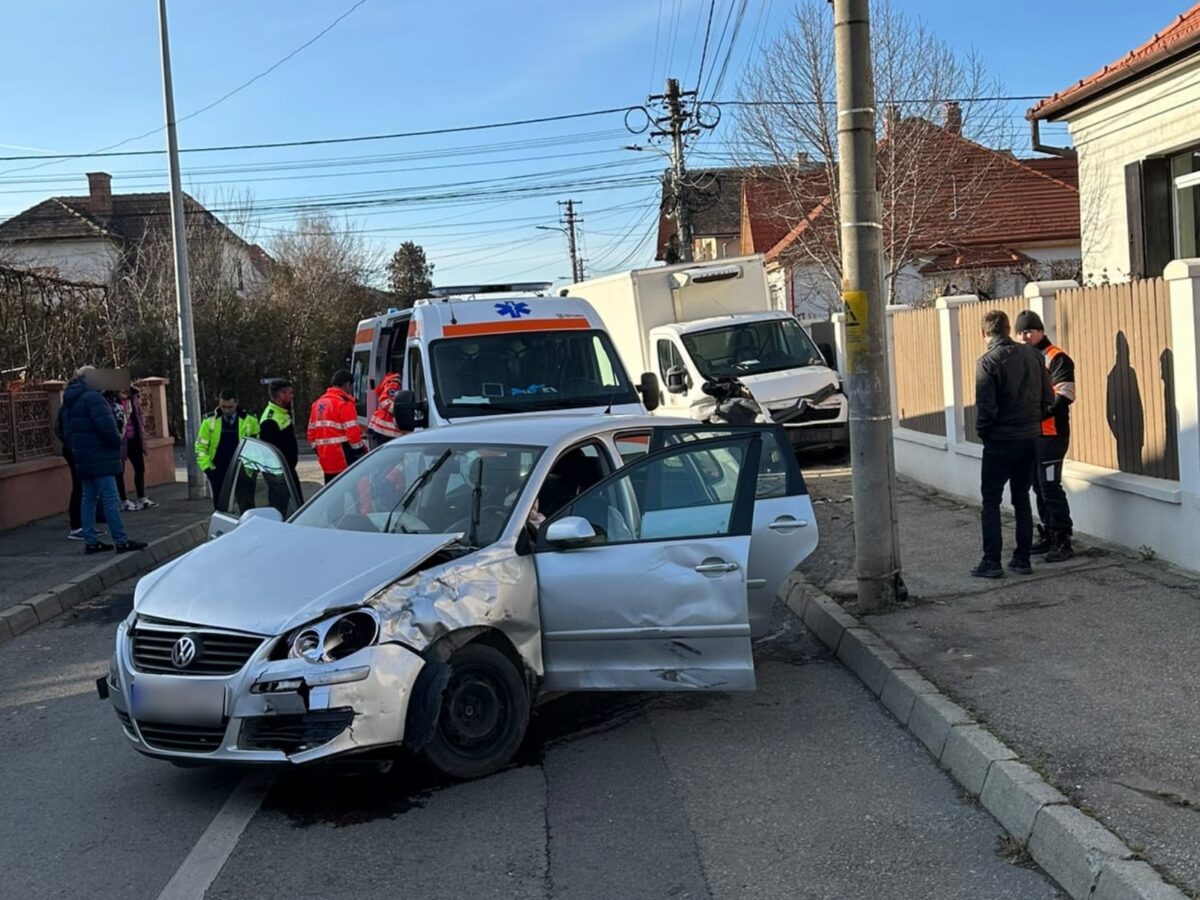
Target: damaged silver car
<point x="431" y="593"/>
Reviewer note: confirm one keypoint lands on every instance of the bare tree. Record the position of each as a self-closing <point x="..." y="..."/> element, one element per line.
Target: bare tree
<point x="925" y="90"/>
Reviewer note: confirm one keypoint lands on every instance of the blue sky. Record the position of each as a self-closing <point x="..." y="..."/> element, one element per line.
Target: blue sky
<point x="80" y="75"/>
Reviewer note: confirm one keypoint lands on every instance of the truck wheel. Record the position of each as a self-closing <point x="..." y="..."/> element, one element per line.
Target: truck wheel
<point x="483" y="714"/>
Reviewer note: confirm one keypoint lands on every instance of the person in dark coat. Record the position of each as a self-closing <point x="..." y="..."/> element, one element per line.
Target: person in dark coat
<point x="1012" y="394"/>
<point x="95" y="442"/>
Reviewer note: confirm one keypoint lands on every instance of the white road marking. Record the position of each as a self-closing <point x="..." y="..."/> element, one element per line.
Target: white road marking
<point x="206" y="859"/>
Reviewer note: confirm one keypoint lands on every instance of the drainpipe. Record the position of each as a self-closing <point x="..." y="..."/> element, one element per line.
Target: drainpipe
<point x="1039" y="147"/>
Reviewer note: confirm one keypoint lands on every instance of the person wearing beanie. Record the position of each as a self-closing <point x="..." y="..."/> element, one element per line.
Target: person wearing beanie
<point x="1054" y="510"/>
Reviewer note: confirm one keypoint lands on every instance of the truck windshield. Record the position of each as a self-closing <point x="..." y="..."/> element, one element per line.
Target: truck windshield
<point x="527" y="372"/>
<point x="751" y="348"/>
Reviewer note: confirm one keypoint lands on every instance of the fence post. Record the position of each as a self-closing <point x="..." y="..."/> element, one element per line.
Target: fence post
<point x="892" y="309"/>
<point x="54" y="392"/>
<point x="951" y="360"/>
<point x="1040" y="297"/>
<point x="156" y="389"/>
<point x="839" y="340"/>
<point x="1183" y="282"/>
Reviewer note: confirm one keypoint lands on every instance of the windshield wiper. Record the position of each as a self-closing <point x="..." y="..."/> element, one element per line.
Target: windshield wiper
<point x="406" y="501"/>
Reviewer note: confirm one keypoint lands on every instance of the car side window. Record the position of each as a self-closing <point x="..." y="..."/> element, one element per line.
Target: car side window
<point x="686" y="494"/>
<point x="773" y="464"/>
<point x="257" y="479"/>
<point x="668" y="358"/>
<point x="416" y="375"/>
<point x="632" y="445"/>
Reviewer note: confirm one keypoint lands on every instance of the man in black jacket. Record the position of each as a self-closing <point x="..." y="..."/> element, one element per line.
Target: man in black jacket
<point x="1012" y="393"/>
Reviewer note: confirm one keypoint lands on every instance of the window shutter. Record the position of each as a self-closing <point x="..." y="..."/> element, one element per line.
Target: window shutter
<point x="1133" y="212"/>
<point x="1157" y="225"/>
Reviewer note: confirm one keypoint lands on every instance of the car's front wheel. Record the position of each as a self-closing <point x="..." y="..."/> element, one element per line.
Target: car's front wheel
<point x="483" y="714"/>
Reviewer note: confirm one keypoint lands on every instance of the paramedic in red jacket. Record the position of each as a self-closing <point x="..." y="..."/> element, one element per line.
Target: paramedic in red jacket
<point x="333" y="427"/>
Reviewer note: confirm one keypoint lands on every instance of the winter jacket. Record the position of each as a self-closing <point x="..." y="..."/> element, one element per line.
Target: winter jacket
<point x="90" y="429"/>
<point x="1062" y="381"/>
<point x="208" y="441"/>
<point x="275" y="427"/>
<point x="1012" y="392"/>
<point x="334" y="432"/>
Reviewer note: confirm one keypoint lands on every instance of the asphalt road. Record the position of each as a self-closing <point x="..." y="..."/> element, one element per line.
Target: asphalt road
<point x="805" y="788"/>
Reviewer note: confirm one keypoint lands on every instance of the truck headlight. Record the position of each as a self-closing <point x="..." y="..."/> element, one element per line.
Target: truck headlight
<point x="335" y="638"/>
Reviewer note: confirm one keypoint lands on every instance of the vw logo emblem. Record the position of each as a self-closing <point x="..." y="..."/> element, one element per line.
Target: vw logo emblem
<point x="184" y="653"/>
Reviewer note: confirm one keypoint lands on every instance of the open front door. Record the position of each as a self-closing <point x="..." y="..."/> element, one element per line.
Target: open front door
<point x="257" y="478"/>
<point x="642" y="578"/>
<point x="785" y="529"/>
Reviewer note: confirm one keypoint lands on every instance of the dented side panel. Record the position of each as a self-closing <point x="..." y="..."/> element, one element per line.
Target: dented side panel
<point x="493" y="588"/>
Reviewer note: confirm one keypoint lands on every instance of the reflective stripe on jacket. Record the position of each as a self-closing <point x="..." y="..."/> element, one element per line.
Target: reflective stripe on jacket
<point x="210" y="435"/>
<point x="383" y="420"/>
<point x="334" y="432"/>
<point x="1061" y="369"/>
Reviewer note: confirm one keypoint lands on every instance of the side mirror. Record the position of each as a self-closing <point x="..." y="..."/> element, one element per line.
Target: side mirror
<point x="677" y="380"/>
<point x="262" y="512"/>
<point x="830" y="356"/>
<point x="650" y="390"/>
<point x="569" y="531"/>
<point x="408" y="413"/>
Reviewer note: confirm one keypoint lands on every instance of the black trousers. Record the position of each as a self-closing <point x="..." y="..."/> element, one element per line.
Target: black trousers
<point x="76" y="492"/>
<point x="1054" y="511"/>
<point x="1011" y="463"/>
<point x="137" y="458"/>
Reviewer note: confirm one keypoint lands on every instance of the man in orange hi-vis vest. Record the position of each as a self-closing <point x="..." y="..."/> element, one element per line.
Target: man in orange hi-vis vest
<point x="333" y="427"/>
<point x="381" y="427"/>
<point x="1054" y="510"/>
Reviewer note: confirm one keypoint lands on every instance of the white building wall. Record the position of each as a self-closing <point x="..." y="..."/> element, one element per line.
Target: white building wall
<point x="75" y="260"/>
<point x="1157" y="115"/>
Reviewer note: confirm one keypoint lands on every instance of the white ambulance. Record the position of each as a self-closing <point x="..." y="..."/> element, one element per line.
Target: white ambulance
<point x="487" y="350"/>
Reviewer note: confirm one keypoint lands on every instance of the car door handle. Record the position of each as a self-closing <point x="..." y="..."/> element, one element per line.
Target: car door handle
<point x="716" y="568"/>
<point x="787" y="523"/>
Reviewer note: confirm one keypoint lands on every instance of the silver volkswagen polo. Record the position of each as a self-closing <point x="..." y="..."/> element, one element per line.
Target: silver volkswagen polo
<point x="434" y="590"/>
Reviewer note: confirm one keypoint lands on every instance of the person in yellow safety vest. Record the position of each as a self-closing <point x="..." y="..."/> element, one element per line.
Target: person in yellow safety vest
<point x="220" y="433"/>
<point x="277" y="429"/>
<point x="382" y="425"/>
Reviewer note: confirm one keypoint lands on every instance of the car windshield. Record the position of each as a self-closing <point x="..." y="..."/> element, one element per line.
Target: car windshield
<point x="427" y="488"/>
<point x="751" y="348"/>
<point x="527" y="372"/>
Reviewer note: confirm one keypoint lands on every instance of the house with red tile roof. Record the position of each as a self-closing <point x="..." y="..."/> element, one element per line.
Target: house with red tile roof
<point x="88" y="238"/>
<point x="1135" y="131"/>
<point x="957" y="217"/>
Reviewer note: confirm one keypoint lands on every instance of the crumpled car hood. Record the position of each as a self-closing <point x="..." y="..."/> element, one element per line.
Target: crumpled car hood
<point x="268" y="577"/>
<point x="771" y="387"/>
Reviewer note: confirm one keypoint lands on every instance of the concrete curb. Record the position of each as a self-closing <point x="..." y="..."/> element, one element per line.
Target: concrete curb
<point x="53" y="603"/>
<point x="1086" y="859"/>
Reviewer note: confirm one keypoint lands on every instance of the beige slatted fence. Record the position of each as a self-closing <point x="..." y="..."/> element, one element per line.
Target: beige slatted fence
<point x="917" y="337"/>
<point x="1120" y="339"/>
<point x="970" y="333"/>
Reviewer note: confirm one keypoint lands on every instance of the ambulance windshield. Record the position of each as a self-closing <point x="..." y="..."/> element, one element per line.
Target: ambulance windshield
<point x="527" y="371"/>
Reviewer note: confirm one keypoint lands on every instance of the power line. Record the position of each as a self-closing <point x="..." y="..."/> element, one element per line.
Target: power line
<point x="704" y="53"/>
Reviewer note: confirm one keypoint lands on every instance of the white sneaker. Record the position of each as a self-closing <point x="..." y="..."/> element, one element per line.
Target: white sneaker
<point x="128" y="506"/>
<point x="146" y="503"/>
<point x="76" y="534"/>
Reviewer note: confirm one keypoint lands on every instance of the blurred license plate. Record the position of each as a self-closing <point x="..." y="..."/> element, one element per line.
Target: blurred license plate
<point x="183" y="700"/>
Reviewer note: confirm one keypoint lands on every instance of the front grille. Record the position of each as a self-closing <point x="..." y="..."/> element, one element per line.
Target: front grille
<point x="816" y="414"/>
<point x="291" y="734"/>
<point x="186" y="738"/>
<point x="218" y="652"/>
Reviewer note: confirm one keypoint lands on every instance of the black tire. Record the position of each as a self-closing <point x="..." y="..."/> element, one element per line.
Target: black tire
<point x="483" y="714"/>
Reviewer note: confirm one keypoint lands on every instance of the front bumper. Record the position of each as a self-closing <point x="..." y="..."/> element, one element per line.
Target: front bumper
<point x="312" y="722"/>
<point x="811" y="437"/>
<point x="825" y="425"/>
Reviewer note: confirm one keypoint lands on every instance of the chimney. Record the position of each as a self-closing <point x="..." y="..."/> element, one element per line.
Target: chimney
<point x="100" y="195"/>
<point x="952" y="117"/>
<point x="891" y="118"/>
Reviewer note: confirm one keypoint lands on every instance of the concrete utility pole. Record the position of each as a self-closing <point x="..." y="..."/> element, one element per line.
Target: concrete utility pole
<point x="569" y="221"/>
<point x="190" y="386"/>
<point x="678" y="120"/>
<point x="876" y="547"/>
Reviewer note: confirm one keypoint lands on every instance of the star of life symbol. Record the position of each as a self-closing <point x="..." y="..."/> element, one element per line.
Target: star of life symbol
<point x="512" y="308"/>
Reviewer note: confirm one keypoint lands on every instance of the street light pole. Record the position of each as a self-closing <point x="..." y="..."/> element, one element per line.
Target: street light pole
<point x="190" y="386"/>
<point x="877" y="551"/>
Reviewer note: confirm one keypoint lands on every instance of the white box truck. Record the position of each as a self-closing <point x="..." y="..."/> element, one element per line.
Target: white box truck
<point x="694" y="322"/>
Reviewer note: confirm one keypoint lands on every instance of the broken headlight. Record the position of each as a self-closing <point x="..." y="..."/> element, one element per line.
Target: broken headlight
<point x="335" y="638"/>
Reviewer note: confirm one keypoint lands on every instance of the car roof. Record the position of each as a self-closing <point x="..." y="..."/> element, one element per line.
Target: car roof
<point x="539" y="430"/>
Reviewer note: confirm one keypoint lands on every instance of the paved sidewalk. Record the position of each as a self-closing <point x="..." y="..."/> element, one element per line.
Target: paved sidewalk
<point x="1087" y="669"/>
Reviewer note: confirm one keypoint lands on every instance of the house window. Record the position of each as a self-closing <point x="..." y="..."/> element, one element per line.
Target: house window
<point x="1185" y="175"/>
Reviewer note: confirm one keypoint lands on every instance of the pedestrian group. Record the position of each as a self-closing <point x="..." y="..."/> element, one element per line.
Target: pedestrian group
<point x="1023" y="395"/>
